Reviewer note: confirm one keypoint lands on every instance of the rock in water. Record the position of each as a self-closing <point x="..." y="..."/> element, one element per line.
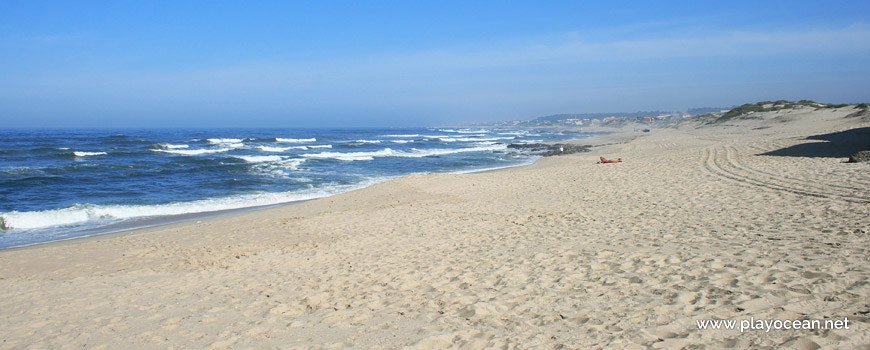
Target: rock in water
<point x="548" y="150"/>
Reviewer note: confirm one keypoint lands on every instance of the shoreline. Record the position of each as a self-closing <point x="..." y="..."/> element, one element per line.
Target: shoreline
<point x="249" y="173"/>
<point x="696" y="224"/>
<point x="146" y="223"/>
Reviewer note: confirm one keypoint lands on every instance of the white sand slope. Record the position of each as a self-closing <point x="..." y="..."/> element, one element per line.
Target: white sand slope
<point x="695" y="224"/>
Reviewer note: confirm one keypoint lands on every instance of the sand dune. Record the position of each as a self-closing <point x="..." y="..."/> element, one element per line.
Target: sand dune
<point x="719" y="222"/>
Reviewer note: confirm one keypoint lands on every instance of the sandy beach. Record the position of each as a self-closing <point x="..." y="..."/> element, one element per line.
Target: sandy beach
<point x="751" y="219"/>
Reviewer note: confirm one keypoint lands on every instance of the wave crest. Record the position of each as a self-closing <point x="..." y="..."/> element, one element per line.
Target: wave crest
<point x="88" y="154"/>
<point x="414" y="153"/>
<point x="260" y="159"/>
<point x="192" y="152"/>
<point x="278" y="139"/>
<point x="281" y="149"/>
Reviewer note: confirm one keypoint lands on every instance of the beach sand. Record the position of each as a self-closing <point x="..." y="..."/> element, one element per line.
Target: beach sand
<point x="750" y="219"/>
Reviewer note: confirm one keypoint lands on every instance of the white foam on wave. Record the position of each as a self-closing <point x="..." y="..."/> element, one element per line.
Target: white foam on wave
<point x="284" y="168"/>
<point x="171" y="146"/>
<point x="281" y="149"/>
<point x="401" y="141"/>
<point x="465" y="131"/>
<point x="350" y="156"/>
<point x="278" y="139"/>
<point x="404" y="135"/>
<point x="368" y="141"/>
<point x="478" y="139"/>
<point x="260" y="159"/>
<point x="88" y="154"/>
<point x="192" y="152"/>
<point x="413" y="153"/>
<point x="471" y="139"/>
<point x="80" y="214"/>
<point x="416" y="153"/>
<point x="320" y="146"/>
<point x="227" y="143"/>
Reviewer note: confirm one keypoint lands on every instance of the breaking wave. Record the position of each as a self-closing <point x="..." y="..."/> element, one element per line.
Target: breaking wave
<point x="278" y="139"/>
<point x="88" y="154"/>
<point x="192" y="152"/>
<point x="260" y="159"/>
<point x="413" y="153"/>
<point x="281" y="149"/>
<point x="102" y="214"/>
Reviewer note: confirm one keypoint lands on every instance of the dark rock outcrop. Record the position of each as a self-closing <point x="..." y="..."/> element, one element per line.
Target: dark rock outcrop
<point x="862" y="156"/>
<point x="548" y="150"/>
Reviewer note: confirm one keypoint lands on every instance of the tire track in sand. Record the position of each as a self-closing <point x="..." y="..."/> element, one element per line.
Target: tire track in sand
<point x="732" y="155"/>
<point x="718" y="162"/>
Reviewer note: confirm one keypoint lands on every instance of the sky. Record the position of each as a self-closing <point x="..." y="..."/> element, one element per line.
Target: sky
<point x="408" y="63"/>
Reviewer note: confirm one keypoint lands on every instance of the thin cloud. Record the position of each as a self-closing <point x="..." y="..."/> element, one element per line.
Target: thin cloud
<point x="848" y="40"/>
<point x="440" y="64"/>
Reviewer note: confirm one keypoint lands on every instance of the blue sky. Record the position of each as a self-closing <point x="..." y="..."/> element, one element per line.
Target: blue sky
<point x="309" y="64"/>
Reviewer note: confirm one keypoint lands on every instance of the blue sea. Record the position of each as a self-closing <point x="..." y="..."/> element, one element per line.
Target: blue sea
<point x="59" y="184"/>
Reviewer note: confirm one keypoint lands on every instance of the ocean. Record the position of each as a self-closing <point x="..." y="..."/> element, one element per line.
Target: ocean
<point x="58" y="184"/>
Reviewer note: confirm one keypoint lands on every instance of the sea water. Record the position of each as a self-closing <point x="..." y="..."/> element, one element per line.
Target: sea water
<point x="65" y="183"/>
